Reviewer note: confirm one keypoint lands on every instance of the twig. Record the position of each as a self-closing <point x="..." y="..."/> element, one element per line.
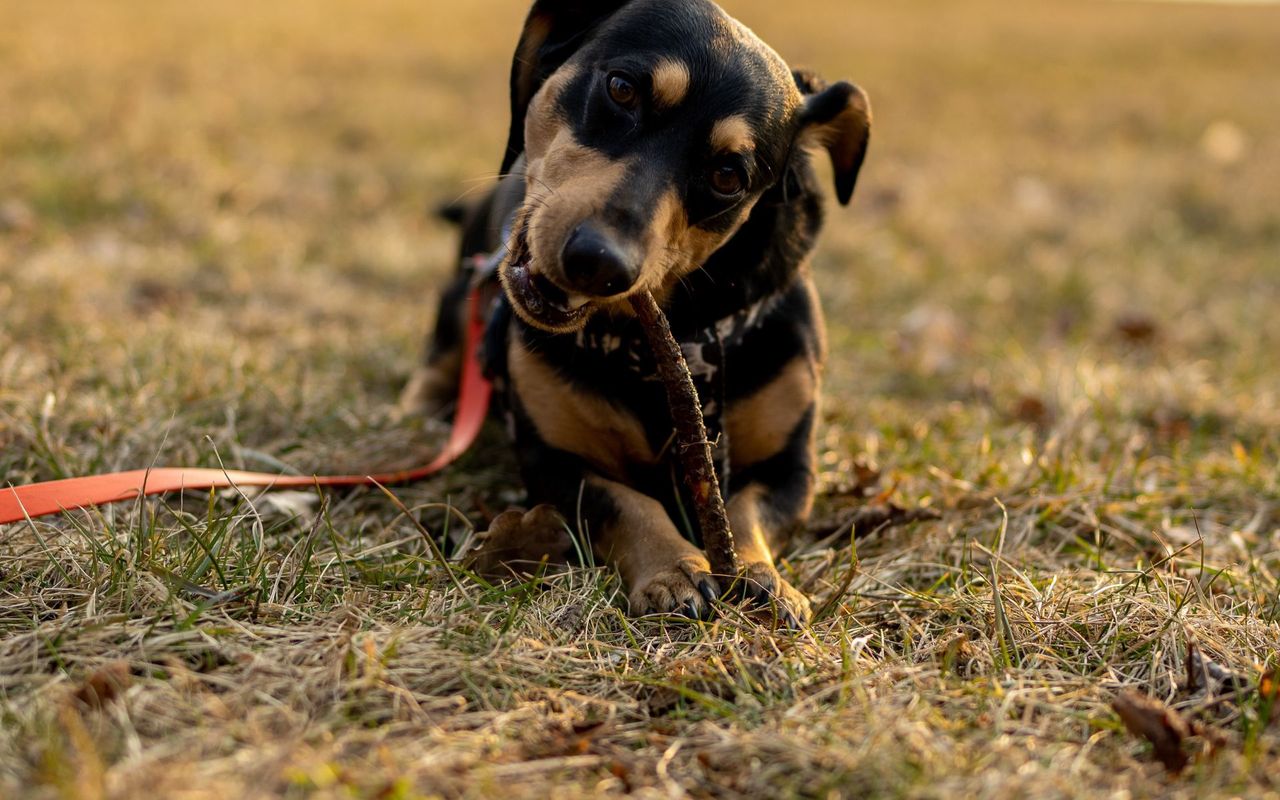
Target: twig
<point x="692" y="447"/>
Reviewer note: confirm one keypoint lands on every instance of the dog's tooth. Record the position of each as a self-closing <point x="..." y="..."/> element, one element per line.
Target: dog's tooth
<point x="577" y="301"/>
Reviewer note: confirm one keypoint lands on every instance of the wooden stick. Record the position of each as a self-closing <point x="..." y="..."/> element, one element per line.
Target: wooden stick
<point x="692" y="447"/>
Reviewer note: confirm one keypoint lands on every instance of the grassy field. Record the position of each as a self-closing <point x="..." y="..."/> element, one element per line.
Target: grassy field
<point x="1053" y="312"/>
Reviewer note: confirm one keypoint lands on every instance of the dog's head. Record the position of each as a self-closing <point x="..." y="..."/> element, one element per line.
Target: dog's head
<point x="650" y="129"/>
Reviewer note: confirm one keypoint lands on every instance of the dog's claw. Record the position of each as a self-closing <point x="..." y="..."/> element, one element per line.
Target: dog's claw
<point x="685" y="589"/>
<point x="761" y="586"/>
<point x="710" y="592"/>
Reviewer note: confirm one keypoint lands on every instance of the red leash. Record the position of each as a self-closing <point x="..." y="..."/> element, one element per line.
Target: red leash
<point x="54" y="497"/>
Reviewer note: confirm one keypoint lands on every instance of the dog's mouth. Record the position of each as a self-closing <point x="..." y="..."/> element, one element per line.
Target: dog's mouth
<point x="541" y="302"/>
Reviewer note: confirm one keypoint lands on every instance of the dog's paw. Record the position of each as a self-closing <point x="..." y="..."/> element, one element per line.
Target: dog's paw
<point x="519" y="542"/>
<point x="685" y="588"/>
<point x="762" y="586"/>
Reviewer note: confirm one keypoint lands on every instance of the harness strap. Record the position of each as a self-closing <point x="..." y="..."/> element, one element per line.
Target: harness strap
<point x="55" y="497"/>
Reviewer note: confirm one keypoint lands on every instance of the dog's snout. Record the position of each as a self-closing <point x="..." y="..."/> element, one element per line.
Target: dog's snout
<point x="597" y="264"/>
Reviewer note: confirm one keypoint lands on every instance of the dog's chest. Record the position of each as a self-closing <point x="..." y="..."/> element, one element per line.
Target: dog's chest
<point x="599" y="395"/>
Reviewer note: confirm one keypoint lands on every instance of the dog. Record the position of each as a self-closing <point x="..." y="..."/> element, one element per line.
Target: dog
<point x="660" y="146"/>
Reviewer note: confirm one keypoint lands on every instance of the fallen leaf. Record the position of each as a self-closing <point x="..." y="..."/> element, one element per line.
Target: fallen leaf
<point x="620" y="771"/>
<point x="866" y="475"/>
<point x="1204" y="675"/>
<point x="1137" y="328"/>
<point x="1031" y="409"/>
<point x="1269" y="691"/>
<point x="956" y="654"/>
<point x="104" y="684"/>
<point x="1169" y="424"/>
<point x="1152" y="720"/>
<point x="868" y="519"/>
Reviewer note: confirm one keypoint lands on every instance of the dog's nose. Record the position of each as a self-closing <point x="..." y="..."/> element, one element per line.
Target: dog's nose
<point x="596" y="264"/>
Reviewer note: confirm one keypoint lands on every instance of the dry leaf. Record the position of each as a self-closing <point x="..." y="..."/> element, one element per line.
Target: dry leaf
<point x="876" y="516"/>
<point x="104" y="684"/>
<point x="620" y="771"/>
<point x="1137" y="328"/>
<point x="956" y="654"/>
<point x="1032" y="410"/>
<point x="866" y="475"/>
<point x="1207" y="676"/>
<point x="1269" y="690"/>
<point x="1157" y="723"/>
<point x="1169" y="424"/>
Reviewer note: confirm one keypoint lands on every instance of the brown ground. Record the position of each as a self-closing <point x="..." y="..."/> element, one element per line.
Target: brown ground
<point x="1055" y="295"/>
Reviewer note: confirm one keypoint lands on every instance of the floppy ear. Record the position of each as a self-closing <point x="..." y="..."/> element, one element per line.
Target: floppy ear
<point x="838" y="117"/>
<point x="553" y="32"/>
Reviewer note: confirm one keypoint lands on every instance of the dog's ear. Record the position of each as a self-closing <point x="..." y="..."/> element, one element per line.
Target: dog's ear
<point x="837" y="117"/>
<point x="553" y="32"/>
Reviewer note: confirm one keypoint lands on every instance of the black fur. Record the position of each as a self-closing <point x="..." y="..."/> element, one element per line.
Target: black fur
<point x="750" y="302"/>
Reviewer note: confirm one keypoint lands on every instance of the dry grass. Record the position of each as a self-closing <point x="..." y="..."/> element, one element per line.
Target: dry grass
<point x="1054" y="295"/>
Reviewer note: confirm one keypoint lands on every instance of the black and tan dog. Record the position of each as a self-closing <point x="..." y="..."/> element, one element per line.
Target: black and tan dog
<point x="657" y="145"/>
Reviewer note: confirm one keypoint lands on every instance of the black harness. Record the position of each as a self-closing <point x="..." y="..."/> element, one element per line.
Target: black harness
<point x="704" y="351"/>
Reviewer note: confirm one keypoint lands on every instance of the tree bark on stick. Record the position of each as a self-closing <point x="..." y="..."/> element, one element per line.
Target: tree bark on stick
<point x="692" y="447"/>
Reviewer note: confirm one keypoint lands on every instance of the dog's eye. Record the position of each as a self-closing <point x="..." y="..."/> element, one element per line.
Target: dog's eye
<point x="726" y="180"/>
<point x="622" y="90"/>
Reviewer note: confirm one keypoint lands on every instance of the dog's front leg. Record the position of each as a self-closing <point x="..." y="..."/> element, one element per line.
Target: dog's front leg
<point x="760" y="516"/>
<point x="663" y="572"/>
<point x="771" y="439"/>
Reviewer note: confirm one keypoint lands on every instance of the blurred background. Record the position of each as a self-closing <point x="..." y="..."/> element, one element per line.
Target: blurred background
<point x="1053" y="316"/>
<point x="221" y="212"/>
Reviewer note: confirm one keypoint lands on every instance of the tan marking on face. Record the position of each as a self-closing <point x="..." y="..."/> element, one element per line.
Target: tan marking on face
<point x="733" y="135"/>
<point x="542" y="120"/>
<point x="670" y="83"/>
<point x="759" y="426"/>
<point x="642" y="542"/>
<point x="675" y="248"/>
<point x="586" y="425"/>
<point x="565" y="182"/>
<point x="668" y="228"/>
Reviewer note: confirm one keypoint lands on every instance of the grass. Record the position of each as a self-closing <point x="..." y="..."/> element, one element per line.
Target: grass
<point x="1052" y="313"/>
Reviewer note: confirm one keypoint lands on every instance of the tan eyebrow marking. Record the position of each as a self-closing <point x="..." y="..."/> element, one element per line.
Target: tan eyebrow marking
<point x="670" y="83"/>
<point x="732" y="135"/>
